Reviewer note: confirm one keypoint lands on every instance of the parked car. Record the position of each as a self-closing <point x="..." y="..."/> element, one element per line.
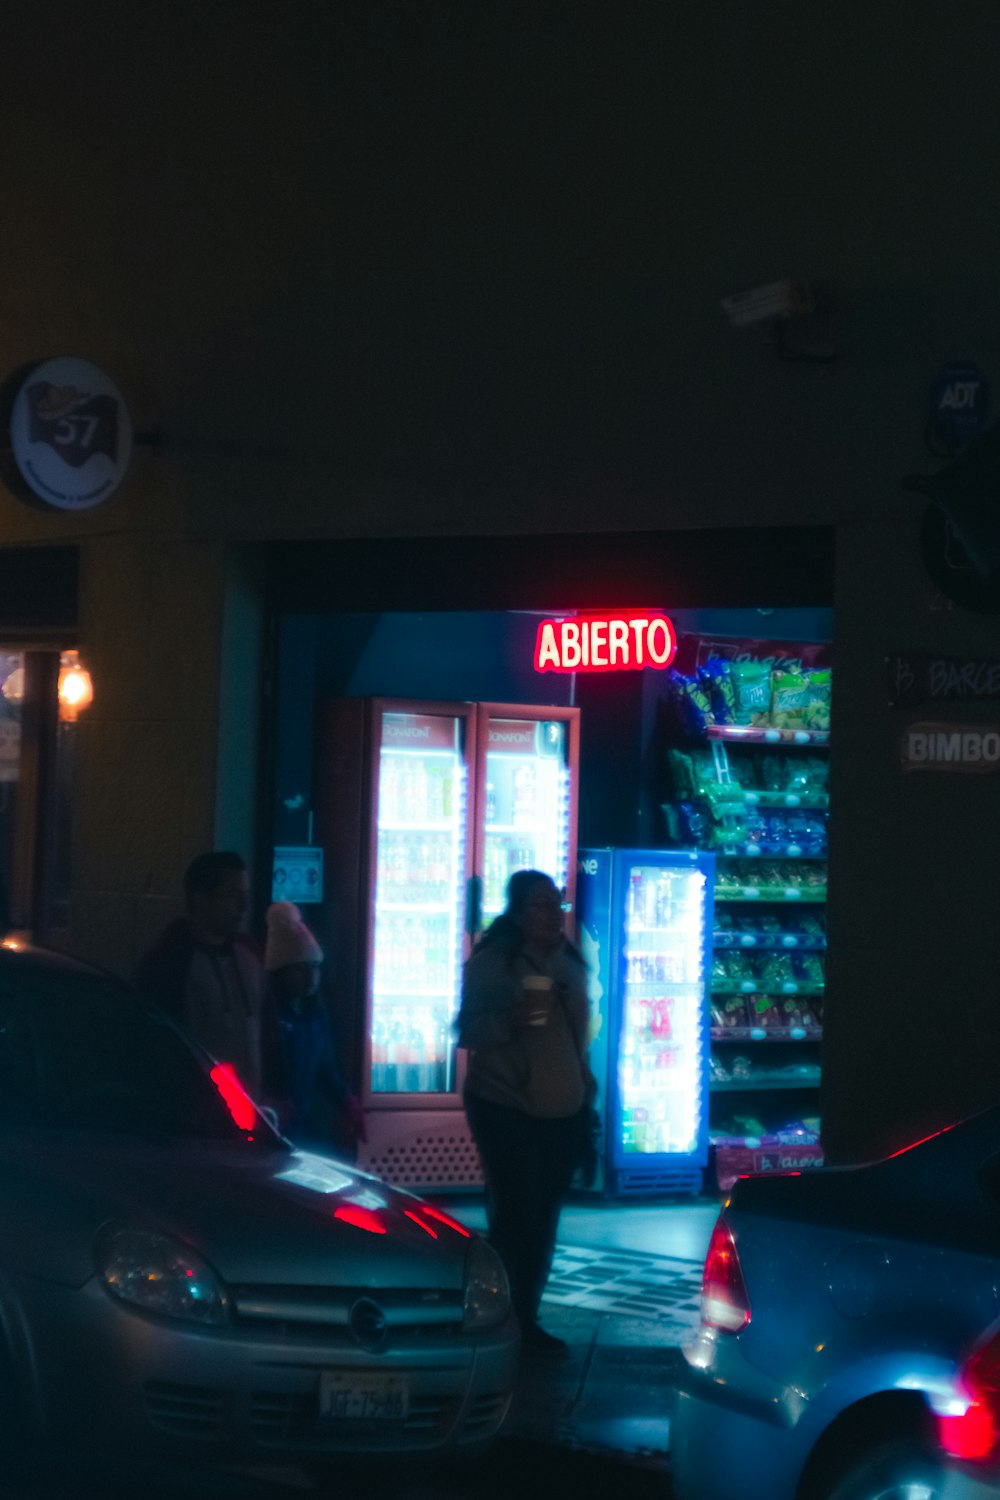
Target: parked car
<point x="177" y="1281"/>
<point x="844" y="1315"/>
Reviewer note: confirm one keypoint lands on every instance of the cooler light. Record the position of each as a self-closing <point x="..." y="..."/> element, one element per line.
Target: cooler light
<point x="76" y="691"/>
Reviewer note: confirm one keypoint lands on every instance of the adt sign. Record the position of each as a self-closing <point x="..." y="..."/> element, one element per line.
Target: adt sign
<point x="958" y="400"/>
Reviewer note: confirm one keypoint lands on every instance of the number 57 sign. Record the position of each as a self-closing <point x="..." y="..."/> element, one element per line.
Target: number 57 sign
<point x="70" y="434"/>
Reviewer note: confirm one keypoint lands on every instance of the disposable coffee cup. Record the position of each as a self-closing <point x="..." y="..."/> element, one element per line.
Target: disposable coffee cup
<point x="538" y="994"/>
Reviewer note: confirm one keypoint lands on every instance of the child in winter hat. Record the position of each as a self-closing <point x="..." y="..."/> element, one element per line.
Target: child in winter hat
<point x="289" y="940"/>
<point x="302" y="1080"/>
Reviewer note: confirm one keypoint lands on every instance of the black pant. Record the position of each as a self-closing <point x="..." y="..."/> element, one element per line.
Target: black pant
<point x="528" y="1165"/>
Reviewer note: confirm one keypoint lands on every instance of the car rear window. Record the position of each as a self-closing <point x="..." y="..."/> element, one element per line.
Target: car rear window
<point x="81" y="1052"/>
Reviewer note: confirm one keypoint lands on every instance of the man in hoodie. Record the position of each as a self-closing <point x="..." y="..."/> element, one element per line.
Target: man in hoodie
<point x="205" y="972"/>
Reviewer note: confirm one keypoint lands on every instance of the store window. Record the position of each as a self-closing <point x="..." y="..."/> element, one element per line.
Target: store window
<point x="37" y="753"/>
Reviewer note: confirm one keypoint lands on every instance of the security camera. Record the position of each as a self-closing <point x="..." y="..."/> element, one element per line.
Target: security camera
<point x="767" y="304"/>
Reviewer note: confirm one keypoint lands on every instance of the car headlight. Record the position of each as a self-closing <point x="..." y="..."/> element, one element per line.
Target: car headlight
<point x="161" y="1275"/>
<point x="487" y="1293"/>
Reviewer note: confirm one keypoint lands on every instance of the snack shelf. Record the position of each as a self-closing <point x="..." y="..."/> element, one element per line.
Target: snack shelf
<point x="756" y="989"/>
<point x="757" y="796"/>
<point x="766" y="1033"/>
<point x="770" y="942"/>
<point x="808" y="1079"/>
<point x="806" y="801"/>
<point x="764" y="851"/>
<point x="771" y="893"/>
<point x="766" y="734"/>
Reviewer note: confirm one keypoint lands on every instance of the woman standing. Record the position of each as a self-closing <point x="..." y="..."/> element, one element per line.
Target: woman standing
<point x="301" y="1079"/>
<point x="524" y="1018"/>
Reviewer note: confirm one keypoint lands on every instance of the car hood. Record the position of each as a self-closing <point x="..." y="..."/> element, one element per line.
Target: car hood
<point x="261" y="1217"/>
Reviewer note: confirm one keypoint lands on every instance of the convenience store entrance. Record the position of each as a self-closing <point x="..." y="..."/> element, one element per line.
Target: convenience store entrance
<point x="724" y="753"/>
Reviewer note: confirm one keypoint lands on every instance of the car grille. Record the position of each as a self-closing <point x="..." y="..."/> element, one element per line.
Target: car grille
<point x="186" y="1410"/>
<point x="411" y="1314"/>
<point x="278" y="1418"/>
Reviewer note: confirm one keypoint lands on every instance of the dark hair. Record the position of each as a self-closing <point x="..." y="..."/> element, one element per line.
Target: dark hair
<point x="505" y="932"/>
<point x="206" y="871"/>
<point x="519" y="889"/>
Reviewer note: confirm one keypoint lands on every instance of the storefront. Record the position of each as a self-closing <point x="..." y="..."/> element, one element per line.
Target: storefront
<point x="415" y="750"/>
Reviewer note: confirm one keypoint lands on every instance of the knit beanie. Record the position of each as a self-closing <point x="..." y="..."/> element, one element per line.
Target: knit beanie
<point x="289" y="940"/>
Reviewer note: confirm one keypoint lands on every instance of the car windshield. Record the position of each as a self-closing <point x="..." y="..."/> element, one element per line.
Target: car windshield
<point x="82" y="1052"/>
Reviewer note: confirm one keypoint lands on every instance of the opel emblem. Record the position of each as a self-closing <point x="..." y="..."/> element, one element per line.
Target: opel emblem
<point x="368" y="1324"/>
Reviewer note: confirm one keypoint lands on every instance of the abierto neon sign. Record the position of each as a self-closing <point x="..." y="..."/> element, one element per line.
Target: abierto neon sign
<point x="620" y="640"/>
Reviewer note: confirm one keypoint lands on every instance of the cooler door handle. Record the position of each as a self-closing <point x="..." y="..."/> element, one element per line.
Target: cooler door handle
<point x="473" y="904"/>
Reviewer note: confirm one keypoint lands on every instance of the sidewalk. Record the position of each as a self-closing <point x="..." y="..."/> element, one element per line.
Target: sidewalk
<point x="624" y="1295"/>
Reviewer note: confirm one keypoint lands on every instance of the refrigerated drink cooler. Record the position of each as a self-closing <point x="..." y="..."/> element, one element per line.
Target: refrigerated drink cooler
<point x="645" y="925"/>
<point x="428" y="810"/>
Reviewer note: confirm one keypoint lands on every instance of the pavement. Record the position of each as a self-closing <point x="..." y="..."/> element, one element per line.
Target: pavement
<point x="624" y="1294"/>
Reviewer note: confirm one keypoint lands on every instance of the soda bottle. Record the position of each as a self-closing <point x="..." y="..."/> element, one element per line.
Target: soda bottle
<point x="635" y="901"/>
<point x="415" y="1080"/>
<point x="524" y="796"/>
<point x="380" y="1038"/>
<point x="395" y="1057"/>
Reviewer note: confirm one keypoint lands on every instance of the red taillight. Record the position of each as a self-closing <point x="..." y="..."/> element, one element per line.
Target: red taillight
<point x="724" y="1301"/>
<point x="976" y="1432"/>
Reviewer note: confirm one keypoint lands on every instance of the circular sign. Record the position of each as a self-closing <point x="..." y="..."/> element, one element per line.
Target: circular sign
<point x="70" y="434"/>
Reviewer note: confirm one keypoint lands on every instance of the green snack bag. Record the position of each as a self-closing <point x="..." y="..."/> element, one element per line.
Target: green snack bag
<point x="751" y="691"/>
<point x="682" y="774"/>
<point x="800" y="698"/>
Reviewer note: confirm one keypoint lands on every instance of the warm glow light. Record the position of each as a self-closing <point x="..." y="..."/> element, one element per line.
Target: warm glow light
<point x="76" y="691"/>
<point x="13" y="688"/>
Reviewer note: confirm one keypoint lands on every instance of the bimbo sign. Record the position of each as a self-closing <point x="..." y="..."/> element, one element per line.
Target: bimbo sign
<point x="951" y="747"/>
<point x="621" y="640"/>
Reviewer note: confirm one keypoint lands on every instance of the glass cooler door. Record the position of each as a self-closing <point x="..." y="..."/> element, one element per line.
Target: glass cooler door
<point x="420" y="861"/>
<point x="660" y="1077"/>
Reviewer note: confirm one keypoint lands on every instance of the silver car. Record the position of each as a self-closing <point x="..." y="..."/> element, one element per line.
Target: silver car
<point x="178" y="1282"/>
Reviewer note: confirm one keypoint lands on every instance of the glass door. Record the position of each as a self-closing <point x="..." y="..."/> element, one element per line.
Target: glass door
<point x="420" y="861"/>
<point x="527" y="797"/>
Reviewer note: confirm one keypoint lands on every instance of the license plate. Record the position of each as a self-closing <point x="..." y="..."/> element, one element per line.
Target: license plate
<point x="354" y="1397"/>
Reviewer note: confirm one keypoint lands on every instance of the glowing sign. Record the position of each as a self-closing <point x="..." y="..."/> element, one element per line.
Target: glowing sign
<point x="620" y="641"/>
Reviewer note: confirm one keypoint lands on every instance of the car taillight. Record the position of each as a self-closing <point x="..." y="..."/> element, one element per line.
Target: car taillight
<point x="724" y="1301"/>
<point x="975" y="1433"/>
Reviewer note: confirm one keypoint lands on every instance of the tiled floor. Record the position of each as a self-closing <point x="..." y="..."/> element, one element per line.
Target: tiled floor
<point x="661" y="1288"/>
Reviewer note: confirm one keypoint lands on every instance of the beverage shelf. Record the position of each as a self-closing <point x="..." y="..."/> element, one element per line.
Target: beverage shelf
<point x="765" y="734"/>
<point x="419" y="825"/>
<point x="419" y="908"/>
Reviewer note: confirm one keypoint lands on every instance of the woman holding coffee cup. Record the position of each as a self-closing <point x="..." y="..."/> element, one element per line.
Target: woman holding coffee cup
<point x="525" y="1019"/>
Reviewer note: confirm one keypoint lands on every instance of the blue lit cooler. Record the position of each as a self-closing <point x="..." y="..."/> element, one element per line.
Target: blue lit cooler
<point x="645" y="921"/>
